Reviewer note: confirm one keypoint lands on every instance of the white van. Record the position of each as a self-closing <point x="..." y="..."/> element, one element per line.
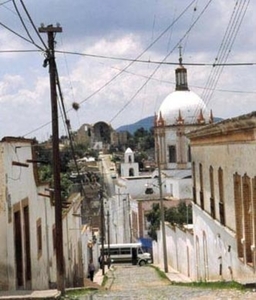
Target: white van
<point x="129" y="252"/>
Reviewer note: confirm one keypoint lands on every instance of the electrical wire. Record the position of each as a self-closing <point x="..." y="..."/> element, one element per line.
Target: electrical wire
<point x="192" y="20"/>
<point x="134" y="60"/>
<point x="5" y="2"/>
<point x="156" y="62"/>
<point x="68" y="126"/>
<point x="225" y="48"/>
<point x="23" y="24"/>
<point x="33" y="25"/>
<point x="30" y="40"/>
<point x="168" y="54"/>
<point x="18" y="51"/>
<point x="195" y="86"/>
<point x="14" y="32"/>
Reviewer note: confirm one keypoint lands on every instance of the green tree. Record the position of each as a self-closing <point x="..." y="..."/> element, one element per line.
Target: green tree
<point x="153" y="217"/>
<point x="180" y="215"/>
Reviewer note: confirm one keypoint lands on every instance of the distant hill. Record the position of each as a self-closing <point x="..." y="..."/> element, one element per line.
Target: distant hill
<point x="146" y="123"/>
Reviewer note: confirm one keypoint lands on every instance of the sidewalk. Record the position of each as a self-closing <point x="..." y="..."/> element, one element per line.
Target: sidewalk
<point x="49" y="294"/>
<point x="174" y="275"/>
<point x="21" y="294"/>
<point x="98" y="278"/>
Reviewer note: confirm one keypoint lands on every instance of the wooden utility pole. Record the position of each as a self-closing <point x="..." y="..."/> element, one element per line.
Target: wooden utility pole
<point x="161" y="203"/>
<point x="108" y="222"/>
<point x="102" y="221"/>
<point x="50" y="59"/>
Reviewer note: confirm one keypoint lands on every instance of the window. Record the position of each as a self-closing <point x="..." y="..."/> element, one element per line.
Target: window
<point x="189" y="153"/>
<point x="212" y="199"/>
<point x="201" y="186"/>
<point x="54" y="238"/>
<point x="221" y="197"/>
<point x="125" y="250"/>
<point x="131" y="172"/>
<point x="39" y="237"/>
<point x="238" y="212"/>
<point x="248" y="229"/>
<point x="194" y="181"/>
<point x="172" y="154"/>
<point x="114" y="251"/>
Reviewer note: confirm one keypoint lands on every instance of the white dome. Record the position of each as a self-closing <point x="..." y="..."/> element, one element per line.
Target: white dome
<point x="187" y="103"/>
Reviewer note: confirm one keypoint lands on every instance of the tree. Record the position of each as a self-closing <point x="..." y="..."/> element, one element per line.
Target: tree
<point x="180" y="215"/>
<point x="154" y="218"/>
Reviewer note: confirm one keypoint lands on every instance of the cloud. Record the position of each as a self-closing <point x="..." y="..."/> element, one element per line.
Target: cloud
<point x="120" y="29"/>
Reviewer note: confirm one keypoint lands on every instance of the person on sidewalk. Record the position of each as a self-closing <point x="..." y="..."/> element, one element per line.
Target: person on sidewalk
<point x="91" y="269"/>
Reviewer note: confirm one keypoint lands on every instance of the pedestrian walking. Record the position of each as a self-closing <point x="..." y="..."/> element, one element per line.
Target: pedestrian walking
<point x="91" y="269"/>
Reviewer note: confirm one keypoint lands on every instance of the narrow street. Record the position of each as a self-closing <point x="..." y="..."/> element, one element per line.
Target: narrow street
<point x="134" y="282"/>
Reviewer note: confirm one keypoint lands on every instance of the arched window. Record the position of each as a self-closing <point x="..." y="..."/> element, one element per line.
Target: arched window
<point x="194" y="181"/>
<point x="238" y="212"/>
<point x="212" y="197"/>
<point x="201" y="186"/>
<point x="221" y="197"/>
<point x="131" y="172"/>
<point x="172" y="154"/>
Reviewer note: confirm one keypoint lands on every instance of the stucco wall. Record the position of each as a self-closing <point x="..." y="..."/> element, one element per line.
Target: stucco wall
<point x="180" y="250"/>
<point x="216" y="252"/>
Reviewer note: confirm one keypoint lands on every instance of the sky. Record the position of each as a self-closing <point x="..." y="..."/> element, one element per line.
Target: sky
<point x="112" y="59"/>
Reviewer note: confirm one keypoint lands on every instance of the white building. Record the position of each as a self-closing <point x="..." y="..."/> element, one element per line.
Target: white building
<point x="27" y="231"/>
<point x="225" y="200"/>
<point x="221" y="244"/>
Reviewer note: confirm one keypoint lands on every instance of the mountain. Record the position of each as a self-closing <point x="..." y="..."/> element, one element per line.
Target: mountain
<point x="146" y="123"/>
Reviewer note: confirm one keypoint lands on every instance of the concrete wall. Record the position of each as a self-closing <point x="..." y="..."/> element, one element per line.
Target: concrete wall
<point x="180" y="250"/>
<point x="179" y="188"/>
<point x="216" y="251"/>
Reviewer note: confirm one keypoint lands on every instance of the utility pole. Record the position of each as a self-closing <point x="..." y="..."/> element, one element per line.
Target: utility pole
<point x="161" y="204"/>
<point x="108" y="234"/>
<point x="102" y="221"/>
<point x="50" y="59"/>
<point x="129" y="212"/>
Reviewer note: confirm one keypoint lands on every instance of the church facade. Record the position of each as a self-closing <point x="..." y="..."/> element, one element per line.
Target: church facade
<point x="181" y="112"/>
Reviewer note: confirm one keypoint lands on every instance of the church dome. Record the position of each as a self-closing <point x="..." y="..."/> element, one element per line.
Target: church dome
<point x="185" y="106"/>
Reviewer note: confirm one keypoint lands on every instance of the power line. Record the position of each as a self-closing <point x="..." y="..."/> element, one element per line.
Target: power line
<point x="196" y="64"/>
<point x="14" y="32"/>
<point x="225" y="48"/>
<point x="134" y="60"/>
<point x="22" y="22"/>
<point x="168" y="54"/>
<point x="155" y="62"/>
<point x="32" y="23"/>
<point x="18" y="51"/>
<point x="5" y="2"/>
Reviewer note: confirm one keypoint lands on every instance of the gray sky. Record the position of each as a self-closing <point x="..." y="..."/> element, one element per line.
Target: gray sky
<point x="149" y="29"/>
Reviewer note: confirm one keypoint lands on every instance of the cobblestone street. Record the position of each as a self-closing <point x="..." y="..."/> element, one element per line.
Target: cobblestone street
<point x="133" y="282"/>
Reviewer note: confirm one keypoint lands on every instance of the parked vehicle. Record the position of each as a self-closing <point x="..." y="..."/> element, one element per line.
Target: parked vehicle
<point x="129" y="252"/>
